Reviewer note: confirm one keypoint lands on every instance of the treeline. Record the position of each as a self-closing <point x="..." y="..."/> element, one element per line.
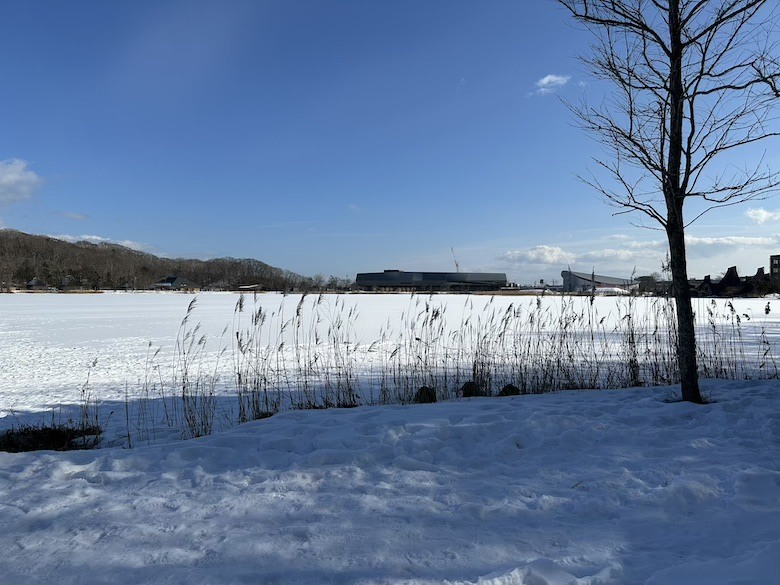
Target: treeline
<point x="28" y="260"/>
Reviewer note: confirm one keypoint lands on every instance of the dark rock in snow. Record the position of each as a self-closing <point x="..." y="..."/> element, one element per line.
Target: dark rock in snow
<point x="509" y="390"/>
<point x="425" y="395"/>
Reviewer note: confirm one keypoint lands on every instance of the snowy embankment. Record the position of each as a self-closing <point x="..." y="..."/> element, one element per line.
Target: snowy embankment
<point x="584" y="488"/>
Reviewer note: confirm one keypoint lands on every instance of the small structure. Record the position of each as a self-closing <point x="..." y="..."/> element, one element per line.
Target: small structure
<point x="581" y="282"/>
<point x="430" y="281"/>
<point x="176" y="283"/>
<point x="36" y="284"/>
<point x="652" y="285"/>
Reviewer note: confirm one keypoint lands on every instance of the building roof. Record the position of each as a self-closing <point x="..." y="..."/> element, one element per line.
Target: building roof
<point x="174" y="282"/>
<point x="400" y="278"/>
<point x="599" y="278"/>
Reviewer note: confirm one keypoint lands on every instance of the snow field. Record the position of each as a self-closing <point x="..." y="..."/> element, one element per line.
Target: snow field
<point x="583" y="488"/>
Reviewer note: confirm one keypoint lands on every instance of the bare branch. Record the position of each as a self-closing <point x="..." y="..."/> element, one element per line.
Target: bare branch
<point x="728" y="89"/>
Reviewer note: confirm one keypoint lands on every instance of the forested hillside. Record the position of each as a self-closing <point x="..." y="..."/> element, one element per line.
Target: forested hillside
<point x="84" y="265"/>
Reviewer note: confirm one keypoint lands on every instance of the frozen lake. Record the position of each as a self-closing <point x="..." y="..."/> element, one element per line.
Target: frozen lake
<point x="51" y="345"/>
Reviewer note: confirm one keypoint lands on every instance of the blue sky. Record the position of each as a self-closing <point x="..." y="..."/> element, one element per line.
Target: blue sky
<point x="324" y="137"/>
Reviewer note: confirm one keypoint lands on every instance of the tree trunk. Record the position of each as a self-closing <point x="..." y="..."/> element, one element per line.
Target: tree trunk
<point x="674" y="194"/>
<point x="686" y="344"/>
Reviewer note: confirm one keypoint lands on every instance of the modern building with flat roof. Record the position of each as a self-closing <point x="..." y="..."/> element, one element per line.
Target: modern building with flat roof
<point x="431" y="281"/>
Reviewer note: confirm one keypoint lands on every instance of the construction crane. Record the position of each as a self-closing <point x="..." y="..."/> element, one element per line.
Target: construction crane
<point x="457" y="264"/>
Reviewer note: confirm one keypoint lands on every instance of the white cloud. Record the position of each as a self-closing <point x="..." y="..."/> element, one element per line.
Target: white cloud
<point x="536" y="255"/>
<point x="550" y="83"/>
<point x="761" y="215"/>
<point x="17" y="182"/>
<point x="101" y="240"/>
<point x="555" y="256"/>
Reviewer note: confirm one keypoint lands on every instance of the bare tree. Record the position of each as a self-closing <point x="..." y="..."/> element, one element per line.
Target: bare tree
<point x="691" y="80"/>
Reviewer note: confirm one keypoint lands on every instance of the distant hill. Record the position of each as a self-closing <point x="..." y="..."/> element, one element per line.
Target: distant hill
<point x="59" y="264"/>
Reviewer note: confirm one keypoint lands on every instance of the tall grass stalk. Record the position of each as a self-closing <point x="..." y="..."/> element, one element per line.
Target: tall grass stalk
<point x="313" y="358"/>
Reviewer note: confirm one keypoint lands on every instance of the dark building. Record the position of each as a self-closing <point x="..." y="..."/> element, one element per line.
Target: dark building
<point x="175" y="283"/>
<point x="774" y="268"/>
<point x="732" y="284"/>
<point x="430" y="281"/>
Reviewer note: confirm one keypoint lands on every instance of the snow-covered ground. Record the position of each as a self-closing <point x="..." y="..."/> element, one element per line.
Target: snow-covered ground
<point x="570" y="488"/>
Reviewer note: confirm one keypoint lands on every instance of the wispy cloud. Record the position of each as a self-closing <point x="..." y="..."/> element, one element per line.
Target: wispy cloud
<point x="731" y="240"/>
<point x="761" y="215"/>
<point x="461" y="84"/>
<point x="17" y="182"/>
<point x="101" y="240"/>
<point x="74" y="216"/>
<point x="550" y="84"/>
<point x="161" y="59"/>
<point x="623" y="255"/>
